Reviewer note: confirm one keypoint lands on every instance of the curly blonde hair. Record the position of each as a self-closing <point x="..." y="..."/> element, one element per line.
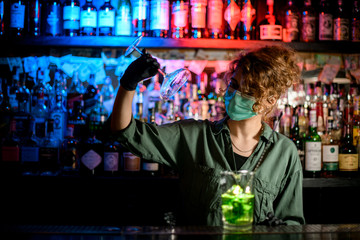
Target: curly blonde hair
<point x="264" y="72"/>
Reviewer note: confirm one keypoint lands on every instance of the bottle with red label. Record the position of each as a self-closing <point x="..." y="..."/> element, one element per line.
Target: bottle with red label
<point x="232" y="16"/>
<point x="198" y="18"/>
<point x="180" y="10"/>
<point x="270" y="28"/>
<point x="215" y="18"/>
<point x="248" y="20"/>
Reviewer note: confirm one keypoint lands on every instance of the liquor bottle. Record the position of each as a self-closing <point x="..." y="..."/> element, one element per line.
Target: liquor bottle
<point x="98" y="117"/>
<point x="270" y="28"/>
<point x="308" y="23"/>
<point x="297" y="138"/>
<point x="348" y="155"/>
<point x="159" y="18"/>
<point x="75" y="92"/>
<point x="355" y="22"/>
<point x="14" y="89"/>
<point x="341" y="23"/>
<point x="17" y="18"/>
<point x="5" y="111"/>
<point x="59" y="116"/>
<point x="303" y="121"/>
<point x="330" y="152"/>
<point x="69" y="155"/>
<point x="106" y="19"/>
<point x="40" y="113"/>
<point x="286" y="121"/>
<point x="112" y="159"/>
<point x="140" y="17"/>
<point x="325" y="21"/>
<point x="88" y="19"/>
<point x="123" y="19"/>
<point x="10" y="151"/>
<point x="78" y="119"/>
<point x="312" y="146"/>
<point x="34" y="19"/>
<point x="29" y="152"/>
<point x="92" y="153"/>
<point x="71" y="18"/>
<point x="90" y="95"/>
<point x="3" y="18"/>
<point x="23" y="96"/>
<point x="131" y="164"/>
<point x="53" y="18"/>
<point x="215" y="18"/>
<point x="198" y="18"/>
<point x="247" y="21"/>
<point x="292" y="16"/>
<point x="139" y="107"/>
<point x="318" y="97"/>
<point x="180" y="19"/>
<point x="232" y="16"/>
<point x="49" y="152"/>
<point x="150" y="168"/>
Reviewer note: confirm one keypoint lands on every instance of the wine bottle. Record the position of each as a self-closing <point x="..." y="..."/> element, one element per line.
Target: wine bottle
<point x="106" y="19"/>
<point x="270" y="28"/>
<point x="53" y="18"/>
<point x="215" y="18"/>
<point x="180" y="19"/>
<point x="325" y="21"/>
<point x="17" y="18"/>
<point x="308" y="23"/>
<point x="88" y="19"/>
<point x="159" y="18"/>
<point x="341" y="23"/>
<point x="123" y="18"/>
<point x="198" y="18"/>
<point x="71" y="18"/>
<point x="232" y="16"/>
<point x="297" y="138"/>
<point x="247" y="21"/>
<point x="292" y="16"/>
<point x="355" y="22"/>
<point x="330" y="152"/>
<point x="348" y="155"/>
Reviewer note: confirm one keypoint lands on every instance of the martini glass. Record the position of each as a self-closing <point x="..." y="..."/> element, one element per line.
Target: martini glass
<point x="172" y="81"/>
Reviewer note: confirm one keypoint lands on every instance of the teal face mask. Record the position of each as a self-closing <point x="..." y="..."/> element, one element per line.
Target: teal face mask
<point x="238" y="105"/>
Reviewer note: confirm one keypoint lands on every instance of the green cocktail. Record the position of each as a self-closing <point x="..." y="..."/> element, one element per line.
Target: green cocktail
<point x="237" y="208"/>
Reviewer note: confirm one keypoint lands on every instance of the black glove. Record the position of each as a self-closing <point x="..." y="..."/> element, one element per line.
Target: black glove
<point x="144" y="67"/>
<point x="272" y="221"/>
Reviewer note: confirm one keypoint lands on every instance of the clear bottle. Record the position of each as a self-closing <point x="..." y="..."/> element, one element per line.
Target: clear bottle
<point x="159" y="18"/>
<point x="292" y="16"/>
<point x="3" y="18"/>
<point x="88" y="19"/>
<point x="215" y="19"/>
<point x="180" y="19"/>
<point x="69" y="154"/>
<point x="78" y="118"/>
<point x="308" y="23"/>
<point x="90" y="95"/>
<point x="303" y="121"/>
<point x="14" y="89"/>
<point x="53" y="18"/>
<point x="71" y="18"/>
<point x="198" y="18"/>
<point x="318" y="99"/>
<point x="123" y="19"/>
<point x="248" y="20"/>
<point x="286" y="121"/>
<point x="325" y="21"/>
<point x="106" y="19"/>
<point x="330" y="152"/>
<point x="341" y="23"/>
<point x="35" y="16"/>
<point x="40" y="113"/>
<point x="355" y="22"/>
<point x="348" y="155"/>
<point x="17" y="18"/>
<point x="232" y="16"/>
<point x="140" y="18"/>
<point x="29" y="152"/>
<point x="23" y="96"/>
<point x="58" y="113"/>
<point x="270" y="28"/>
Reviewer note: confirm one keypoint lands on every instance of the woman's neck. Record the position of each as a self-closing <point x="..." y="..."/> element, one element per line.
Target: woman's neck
<point x="247" y="129"/>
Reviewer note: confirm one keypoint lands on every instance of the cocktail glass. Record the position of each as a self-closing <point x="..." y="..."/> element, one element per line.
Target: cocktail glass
<point x="172" y="81"/>
<point x="237" y="200"/>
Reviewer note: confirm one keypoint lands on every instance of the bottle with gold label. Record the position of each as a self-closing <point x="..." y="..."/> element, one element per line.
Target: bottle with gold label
<point x="348" y="155"/>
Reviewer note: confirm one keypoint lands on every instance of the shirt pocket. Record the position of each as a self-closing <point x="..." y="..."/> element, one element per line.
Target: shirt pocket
<point x="265" y="194"/>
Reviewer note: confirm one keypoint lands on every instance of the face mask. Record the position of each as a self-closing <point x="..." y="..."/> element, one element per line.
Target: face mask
<point x="238" y="105"/>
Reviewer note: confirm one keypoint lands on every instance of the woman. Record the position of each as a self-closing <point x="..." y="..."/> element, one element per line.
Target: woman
<point x="200" y="150"/>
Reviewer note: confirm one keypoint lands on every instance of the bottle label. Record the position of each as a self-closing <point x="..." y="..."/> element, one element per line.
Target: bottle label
<point x="341" y="29"/>
<point x="59" y="124"/>
<point x="149" y="166"/>
<point x="159" y="12"/>
<point x="247" y="15"/>
<point x="10" y="154"/>
<point x="88" y="19"/>
<point x="232" y="15"/>
<point x="48" y="156"/>
<point x="29" y="154"/>
<point x="53" y="20"/>
<point x="292" y="27"/>
<point x="356" y="132"/>
<point x="325" y="26"/>
<point x="139" y="9"/>
<point x="330" y="153"/>
<point x="355" y="30"/>
<point x="331" y="166"/>
<point x="131" y="162"/>
<point x="215" y="14"/>
<point x="270" y="32"/>
<point x="123" y="22"/>
<point x="313" y="156"/>
<point x="198" y="13"/>
<point x="91" y="159"/>
<point x="106" y="18"/>
<point x="308" y="28"/>
<point x="71" y="13"/>
<point x="111" y="161"/>
<point x="348" y="162"/>
<point x="17" y="15"/>
<point x="180" y="13"/>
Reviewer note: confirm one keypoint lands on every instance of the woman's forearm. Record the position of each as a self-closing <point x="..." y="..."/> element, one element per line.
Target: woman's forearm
<point x="122" y="109"/>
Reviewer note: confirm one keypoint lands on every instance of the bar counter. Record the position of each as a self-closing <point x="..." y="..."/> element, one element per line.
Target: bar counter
<point x="75" y="232"/>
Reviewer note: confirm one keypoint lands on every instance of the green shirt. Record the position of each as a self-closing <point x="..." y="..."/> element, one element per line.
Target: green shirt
<point x="200" y="150"/>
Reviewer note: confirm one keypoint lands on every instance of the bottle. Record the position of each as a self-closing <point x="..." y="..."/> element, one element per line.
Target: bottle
<point x="131" y="164"/>
<point x="23" y="96"/>
<point x="232" y="16"/>
<point x="348" y="155"/>
<point x="139" y="107"/>
<point x="78" y="119"/>
<point x="270" y="28"/>
<point x="53" y="18"/>
<point x="286" y="121"/>
<point x="35" y="15"/>
<point x="313" y="146"/>
<point x="71" y="18"/>
<point x="215" y="19"/>
<point x="139" y="17"/>
<point x="318" y="97"/>
<point x="29" y="153"/>
<point x="98" y="117"/>
<point x="247" y="21"/>
<point x="3" y="18"/>
<point x="111" y="157"/>
<point x="10" y="151"/>
<point x="123" y="19"/>
<point x="150" y="168"/>
<point x="180" y="19"/>
<point x="325" y="21"/>
<point x="88" y="19"/>
<point x="198" y="18"/>
<point x="355" y="22"/>
<point x="303" y="121"/>
<point x="14" y="89"/>
<point x="341" y="23"/>
<point x="297" y="138"/>
<point x="292" y="16"/>
<point x="59" y="116"/>
<point x="159" y="18"/>
<point x="69" y="154"/>
<point x="90" y="95"/>
<point x="75" y="92"/>
<point x="17" y="18"/>
<point x="308" y="23"/>
<point x="49" y="152"/>
<point x="40" y="113"/>
<point x="330" y="152"/>
<point x="106" y="19"/>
